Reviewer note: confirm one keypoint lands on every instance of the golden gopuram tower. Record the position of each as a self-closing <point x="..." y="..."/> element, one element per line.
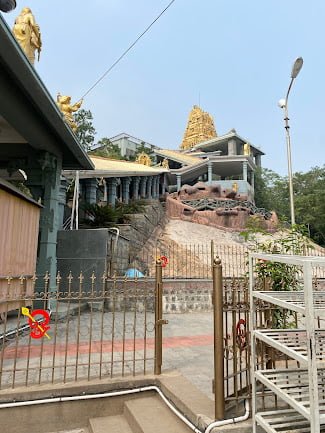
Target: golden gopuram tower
<point x="200" y="127"/>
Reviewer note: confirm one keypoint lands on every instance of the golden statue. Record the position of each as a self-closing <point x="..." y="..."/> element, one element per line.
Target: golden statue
<point x="165" y="164"/>
<point x="235" y="187"/>
<point x="247" y="149"/>
<point x="200" y="127"/>
<point x="28" y="34"/>
<point x="64" y="103"/>
<point x="144" y="159"/>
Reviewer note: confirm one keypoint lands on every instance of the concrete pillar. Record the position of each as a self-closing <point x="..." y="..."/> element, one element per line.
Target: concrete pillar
<point x="245" y="170"/>
<point x="43" y="180"/>
<point x="210" y="172"/>
<point x="232" y="147"/>
<point x="126" y="189"/>
<point x="112" y="184"/>
<point x="143" y="186"/>
<point x="135" y="187"/>
<point x="62" y="199"/>
<point x="91" y="190"/>
<point x="149" y="187"/>
<point x="178" y="181"/>
<point x="258" y="160"/>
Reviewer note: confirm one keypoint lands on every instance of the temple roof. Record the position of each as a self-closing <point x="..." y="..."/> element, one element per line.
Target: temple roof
<point x="106" y="167"/>
<point x="28" y="114"/>
<point x="217" y="143"/>
<point x="175" y="155"/>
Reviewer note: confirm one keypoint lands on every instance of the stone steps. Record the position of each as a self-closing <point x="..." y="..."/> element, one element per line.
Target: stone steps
<point x="109" y="424"/>
<point x="141" y="415"/>
<point x="150" y="414"/>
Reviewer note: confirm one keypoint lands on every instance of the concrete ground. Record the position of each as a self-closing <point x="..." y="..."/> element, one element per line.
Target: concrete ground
<point x="187" y="346"/>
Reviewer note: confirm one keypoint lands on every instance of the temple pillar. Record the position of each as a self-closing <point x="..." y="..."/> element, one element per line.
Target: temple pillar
<point x="178" y="182"/>
<point x="135" y="187"/>
<point x="143" y="186"/>
<point x="210" y="172"/>
<point x="232" y="147"/>
<point x="245" y="170"/>
<point x="126" y="189"/>
<point x="157" y="187"/>
<point x="62" y="199"/>
<point x="91" y="190"/>
<point x="112" y="184"/>
<point x="164" y="186"/>
<point x="149" y="187"/>
<point x="44" y="180"/>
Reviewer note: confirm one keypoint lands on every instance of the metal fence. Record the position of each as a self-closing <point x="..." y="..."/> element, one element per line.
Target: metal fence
<point x="192" y="261"/>
<point x="80" y="329"/>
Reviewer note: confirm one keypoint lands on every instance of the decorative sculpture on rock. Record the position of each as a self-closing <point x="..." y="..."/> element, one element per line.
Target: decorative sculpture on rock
<point x="28" y="34"/>
<point x="64" y="103"/>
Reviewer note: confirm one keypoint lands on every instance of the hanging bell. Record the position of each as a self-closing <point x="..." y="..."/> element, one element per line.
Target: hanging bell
<point x="7" y="5"/>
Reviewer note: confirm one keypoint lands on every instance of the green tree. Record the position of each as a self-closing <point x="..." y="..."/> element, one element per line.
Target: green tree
<point x="107" y="149"/>
<point x="142" y="148"/>
<point x="85" y="130"/>
<point x="271" y="192"/>
<point x="309" y="200"/>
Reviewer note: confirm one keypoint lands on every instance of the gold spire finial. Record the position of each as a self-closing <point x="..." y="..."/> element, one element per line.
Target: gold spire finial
<point x="28" y="34"/>
<point x="200" y="127"/>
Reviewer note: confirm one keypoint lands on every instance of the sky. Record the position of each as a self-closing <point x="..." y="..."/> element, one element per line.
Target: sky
<point x="232" y="57"/>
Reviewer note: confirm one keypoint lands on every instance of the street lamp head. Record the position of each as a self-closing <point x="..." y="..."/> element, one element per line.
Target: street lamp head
<point x="296" y="67"/>
<point x="282" y="103"/>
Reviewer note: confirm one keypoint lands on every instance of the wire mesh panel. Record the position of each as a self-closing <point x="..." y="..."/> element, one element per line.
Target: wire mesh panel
<point x="79" y="330"/>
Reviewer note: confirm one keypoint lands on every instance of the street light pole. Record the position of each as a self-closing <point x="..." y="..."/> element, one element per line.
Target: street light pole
<point x="283" y="103"/>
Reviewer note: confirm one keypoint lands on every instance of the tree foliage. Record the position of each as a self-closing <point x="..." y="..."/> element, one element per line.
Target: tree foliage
<point x="107" y="149"/>
<point x="309" y="199"/>
<point x="272" y="192"/>
<point x="85" y="129"/>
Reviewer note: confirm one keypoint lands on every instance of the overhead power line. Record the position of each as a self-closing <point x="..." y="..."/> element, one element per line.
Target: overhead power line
<point x="127" y="50"/>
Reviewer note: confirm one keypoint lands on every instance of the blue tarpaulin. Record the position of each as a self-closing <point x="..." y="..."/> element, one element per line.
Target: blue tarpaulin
<point x="134" y="273"/>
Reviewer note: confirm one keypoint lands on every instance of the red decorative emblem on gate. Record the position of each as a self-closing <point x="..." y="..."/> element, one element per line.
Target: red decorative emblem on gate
<point x="37" y="330"/>
<point x="241" y="334"/>
<point x="164" y="261"/>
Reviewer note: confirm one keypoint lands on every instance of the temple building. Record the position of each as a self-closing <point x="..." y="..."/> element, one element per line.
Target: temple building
<point x="228" y="160"/>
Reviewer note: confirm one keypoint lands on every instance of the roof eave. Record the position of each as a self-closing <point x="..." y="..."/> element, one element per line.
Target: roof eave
<point x="30" y="84"/>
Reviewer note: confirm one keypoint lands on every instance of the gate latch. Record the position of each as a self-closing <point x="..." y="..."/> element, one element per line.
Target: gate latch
<point x="162" y="322"/>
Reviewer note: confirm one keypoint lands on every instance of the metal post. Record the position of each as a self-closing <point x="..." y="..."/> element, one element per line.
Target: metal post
<point x="219" y="396"/>
<point x="288" y="142"/>
<point x="158" y="317"/>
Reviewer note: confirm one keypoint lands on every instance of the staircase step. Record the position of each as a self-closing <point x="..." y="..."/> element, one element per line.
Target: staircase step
<point x="150" y="414"/>
<point x="109" y="424"/>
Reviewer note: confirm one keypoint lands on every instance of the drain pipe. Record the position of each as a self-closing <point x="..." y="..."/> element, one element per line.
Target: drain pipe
<point x="230" y="420"/>
<point x="126" y="392"/>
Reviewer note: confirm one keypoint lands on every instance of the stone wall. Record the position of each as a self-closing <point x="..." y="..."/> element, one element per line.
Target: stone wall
<point x="187" y="296"/>
<point x="141" y="226"/>
<point x="179" y="296"/>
